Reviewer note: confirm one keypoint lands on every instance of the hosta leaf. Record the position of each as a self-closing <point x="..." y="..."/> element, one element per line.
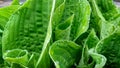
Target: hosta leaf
<point x="16" y="56"/>
<point x="107" y="29"/>
<point x="110" y="47"/>
<point x="27" y="28"/>
<point x="82" y="11"/>
<point x="5" y="13"/>
<point x="95" y="10"/>
<point x="90" y="42"/>
<point x="63" y="30"/>
<point x="81" y="16"/>
<point x="84" y="58"/>
<point x="65" y="53"/>
<point x="58" y="12"/>
<point x="115" y="21"/>
<point x="31" y="62"/>
<point x="92" y="39"/>
<point x="96" y="17"/>
<point x="44" y="59"/>
<point x="108" y="8"/>
<point x="98" y="58"/>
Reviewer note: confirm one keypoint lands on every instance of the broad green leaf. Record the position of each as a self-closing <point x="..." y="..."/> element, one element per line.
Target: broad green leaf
<point x="110" y="47"/>
<point x="5" y="13"/>
<point x="102" y="27"/>
<point x="27" y="28"/>
<point x="63" y="30"/>
<point x="31" y="62"/>
<point x="58" y="13"/>
<point x="98" y="58"/>
<point x="96" y="17"/>
<point x="90" y="42"/>
<point x="82" y="11"/>
<point x="115" y="20"/>
<point x="16" y="56"/>
<point x="65" y="53"/>
<point x="81" y="16"/>
<point x="96" y="13"/>
<point x="92" y="39"/>
<point x="103" y="10"/>
<point x="108" y="8"/>
<point x="83" y="63"/>
<point x="107" y="29"/>
<point x="44" y="59"/>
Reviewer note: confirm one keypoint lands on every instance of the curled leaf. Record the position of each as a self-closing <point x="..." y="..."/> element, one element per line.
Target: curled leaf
<point x="64" y="53"/>
<point x="16" y="56"/>
<point x="63" y="30"/>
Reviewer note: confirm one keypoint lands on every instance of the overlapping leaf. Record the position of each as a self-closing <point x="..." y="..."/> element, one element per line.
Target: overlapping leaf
<point x="65" y="53"/>
<point x="27" y="28"/>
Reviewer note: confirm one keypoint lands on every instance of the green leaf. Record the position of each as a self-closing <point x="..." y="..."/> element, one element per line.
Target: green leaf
<point x="58" y="13"/>
<point x="81" y="16"/>
<point x="96" y="17"/>
<point x="31" y="62"/>
<point x="92" y="39"/>
<point x="107" y="29"/>
<point x="16" y="56"/>
<point x="5" y="13"/>
<point x="63" y="30"/>
<point x="27" y="29"/>
<point x="44" y="59"/>
<point x="109" y="47"/>
<point x="90" y="42"/>
<point x="115" y="20"/>
<point x="98" y="58"/>
<point x="96" y="11"/>
<point x="82" y="11"/>
<point x="108" y="8"/>
<point x="83" y="63"/>
<point x="65" y="53"/>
